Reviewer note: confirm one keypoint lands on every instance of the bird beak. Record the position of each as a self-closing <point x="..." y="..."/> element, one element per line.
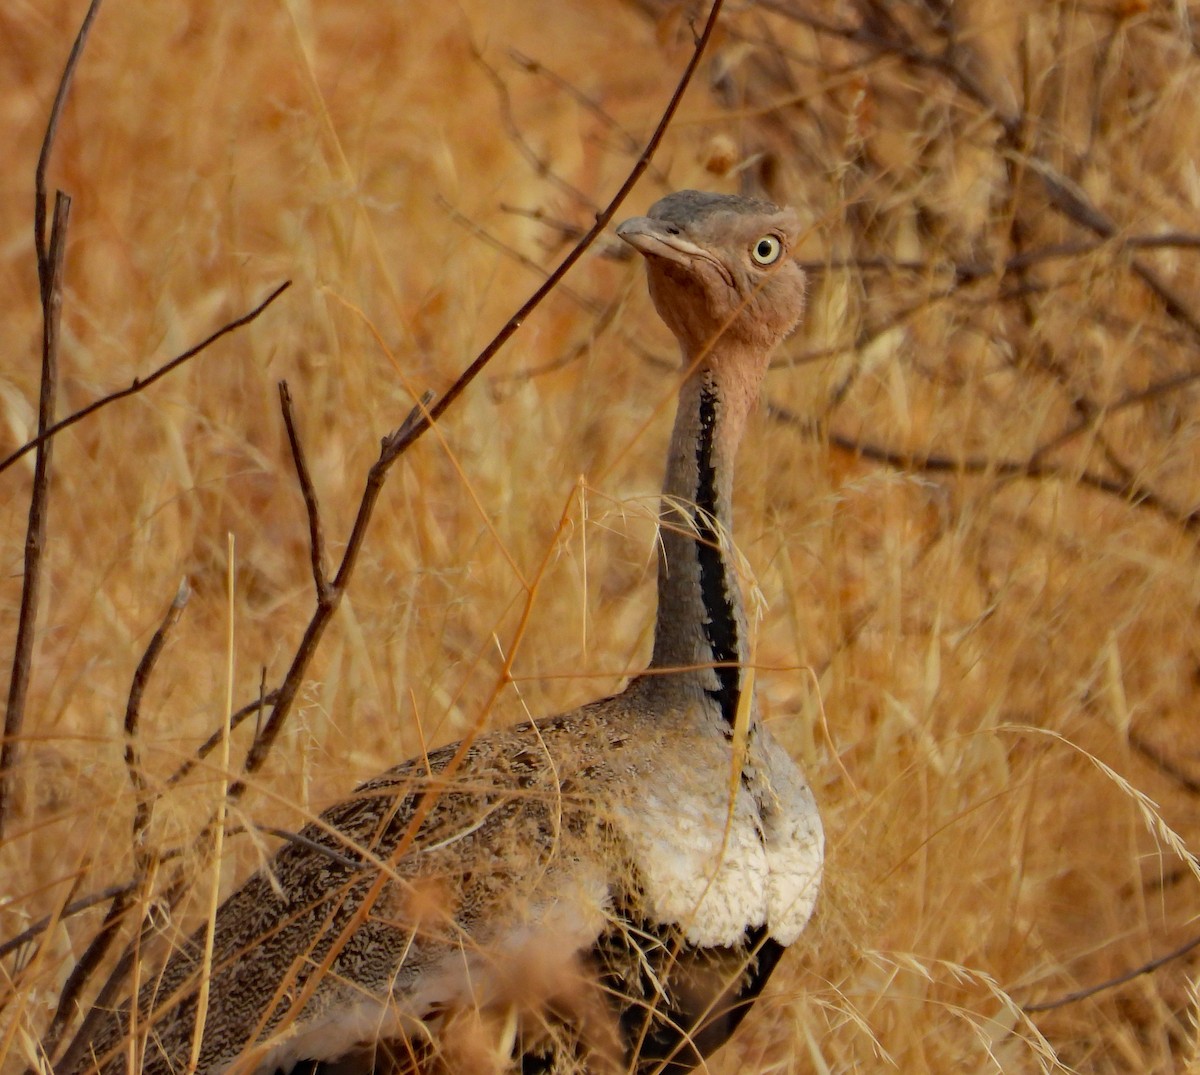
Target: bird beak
<point x="649" y="237"/>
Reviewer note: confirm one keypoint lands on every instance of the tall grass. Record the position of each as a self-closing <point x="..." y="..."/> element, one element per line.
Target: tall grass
<point x="968" y="502"/>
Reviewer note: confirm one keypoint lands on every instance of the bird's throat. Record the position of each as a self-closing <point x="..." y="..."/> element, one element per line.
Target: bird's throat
<point x="701" y="628"/>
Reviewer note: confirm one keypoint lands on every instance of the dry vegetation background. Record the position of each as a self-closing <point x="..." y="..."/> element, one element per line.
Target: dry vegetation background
<point x="970" y="502"/>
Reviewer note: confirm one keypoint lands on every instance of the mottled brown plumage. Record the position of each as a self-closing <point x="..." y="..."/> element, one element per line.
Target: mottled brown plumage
<point x="599" y="891"/>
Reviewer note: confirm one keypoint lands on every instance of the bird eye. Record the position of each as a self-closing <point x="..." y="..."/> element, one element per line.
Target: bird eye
<point x="766" y="250"/>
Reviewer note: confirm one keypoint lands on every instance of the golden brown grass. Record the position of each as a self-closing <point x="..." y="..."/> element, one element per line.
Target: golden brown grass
<point x="992" y="677"/>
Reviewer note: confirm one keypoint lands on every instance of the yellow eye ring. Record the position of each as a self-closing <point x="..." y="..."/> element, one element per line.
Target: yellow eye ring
<point x="766" y="250"/>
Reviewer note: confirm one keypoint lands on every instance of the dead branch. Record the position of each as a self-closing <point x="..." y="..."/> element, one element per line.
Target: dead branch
<point x="50" y="254"/>
<point x="1070" y="200"/>
<point x="509" y="251"/>
<point x="393" y="446"/>
<point x="210" y="744"/>
<point x="35" y="534"/>
<point x="88" y="963"/>
<point x="629" y="143"/>
<point x="1128" y="489"/>
<point x="141" y="816"/>
<point x="141" y="383"/>
<point x="72" y="908"/>
<point x="316" y="537"/>
<point x="1112" y="983"/>
<point x="43" y="250"/>
<point x="541" y="166"/>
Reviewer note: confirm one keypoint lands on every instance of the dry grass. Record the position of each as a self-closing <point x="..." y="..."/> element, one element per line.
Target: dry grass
<point x="990" y="671"/>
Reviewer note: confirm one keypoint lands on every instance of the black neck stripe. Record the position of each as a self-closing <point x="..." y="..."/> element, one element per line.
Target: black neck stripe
<point x="721" y="625"/>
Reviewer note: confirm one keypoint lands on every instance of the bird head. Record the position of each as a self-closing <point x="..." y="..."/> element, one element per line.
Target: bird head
<point x="720" y="269"/>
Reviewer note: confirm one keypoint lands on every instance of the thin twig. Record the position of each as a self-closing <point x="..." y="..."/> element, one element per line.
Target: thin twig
<point x="39" y="175"/>
<point x="1068" y="198"/>
<point x="127" y="888"/>
<point x="535" y="67"/>
<point x="35" y="534"/>
<point x="1099" y="411"/>
<point x="541" y="165"/>
<point x="141" y="816"/>
<point x="75" y="907"/>
<point x="393" y="446"/>
<point x="140" y="383"/>
<point x="300" y="840"/>
<point x="400" y="441"/>
<point x="266" y="698"/>
<point x="480" y="232"/>
<point x="316" y="537"/>
<point x="114" y="984"/>
<point x="1112" y="983"/>
<point x="87" y="964"/>
<point x="1129" y="491"/>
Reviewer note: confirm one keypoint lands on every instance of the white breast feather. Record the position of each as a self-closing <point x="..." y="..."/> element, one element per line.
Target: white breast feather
<point x="795" y="841"/>
<point x="714" y="872"/>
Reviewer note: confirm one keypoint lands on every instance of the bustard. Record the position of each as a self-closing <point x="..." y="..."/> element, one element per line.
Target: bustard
<point x="606" y="890"/>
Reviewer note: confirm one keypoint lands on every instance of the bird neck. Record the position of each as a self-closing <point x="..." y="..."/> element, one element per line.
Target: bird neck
<point x="701" y="630"/>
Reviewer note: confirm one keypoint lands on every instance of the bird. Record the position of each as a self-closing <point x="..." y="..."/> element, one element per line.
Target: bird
<point x="599" y="891"/>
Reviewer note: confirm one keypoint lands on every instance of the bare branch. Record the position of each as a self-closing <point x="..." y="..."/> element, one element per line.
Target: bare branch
<point x="1127" y="490"/>
<point x="145" y="382"/>
<point x="399" y="444"/>
<point x="35" y="534"/>
<point x="250" y="709"/>
<point x="1067" y="197"/>
<point x="393" y="446"/>
<point x="509" y="251"/>
<point x="1112" y="983"/>
<point x="535" y="67"/>
<point x="540" y="164"/>
<point x="73" y="908"/>
<point x="87" y="964"/>
<point x="141" y="677"/>
<point x="39" y="178"/>
<point x="316" y="537"/>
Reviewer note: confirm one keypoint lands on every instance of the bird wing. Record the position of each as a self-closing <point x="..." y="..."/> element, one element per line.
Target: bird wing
<point x="361" y="927"/>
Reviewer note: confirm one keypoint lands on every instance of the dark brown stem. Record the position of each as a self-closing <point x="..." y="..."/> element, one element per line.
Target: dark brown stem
<point x="73" y="908"/>
<point x="1127" y="490"/>
<point x="35" y="534"/>
<point x="145" y="382"/>
<point x="1112" y="983"/>
<point x="1070" y="200"/>
<point x="213" y="741"/>
<point x="141" y="817"/>
<point x="539" y="163"/>
<point x="316" y="537"/>
<point x="535" y="67"/>
<point x="44" y="251"/>
<point x="123" y="899"/>
<point x="114" y="985"/>
<point x="398" y="443"/>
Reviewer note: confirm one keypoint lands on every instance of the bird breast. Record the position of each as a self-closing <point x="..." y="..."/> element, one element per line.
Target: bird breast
<point x="717" y="865"/>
